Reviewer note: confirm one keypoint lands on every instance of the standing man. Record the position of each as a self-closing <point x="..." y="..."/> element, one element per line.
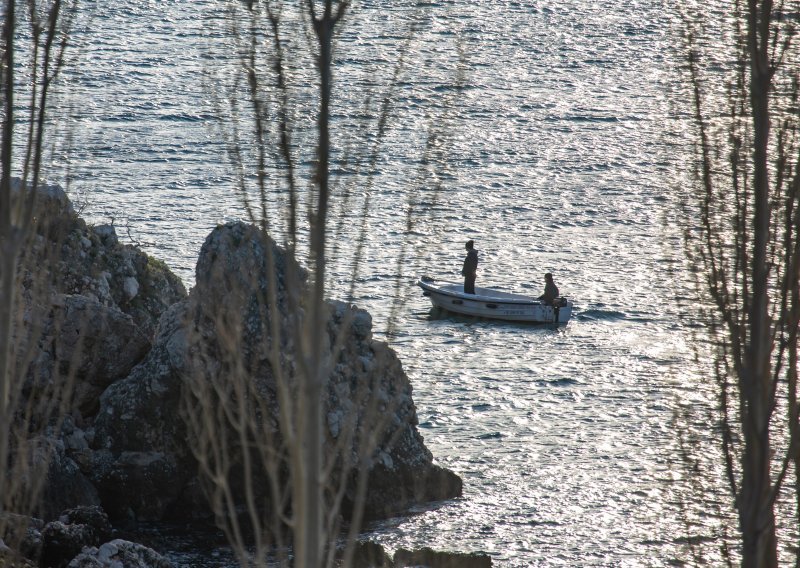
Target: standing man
<point x="470" y="270"/>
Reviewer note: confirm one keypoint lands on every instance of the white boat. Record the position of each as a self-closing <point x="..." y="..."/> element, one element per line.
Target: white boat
<point x="494" y="304"/>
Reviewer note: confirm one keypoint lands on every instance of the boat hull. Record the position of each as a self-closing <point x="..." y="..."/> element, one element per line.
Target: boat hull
<point x="494" y="304"/>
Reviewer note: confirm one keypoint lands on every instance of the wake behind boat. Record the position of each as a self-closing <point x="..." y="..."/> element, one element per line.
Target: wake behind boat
<point x="494" y="304"/>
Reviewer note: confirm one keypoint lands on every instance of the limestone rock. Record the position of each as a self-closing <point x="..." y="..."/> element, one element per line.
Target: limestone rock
<point x="224" y="332"/>
<point x="11" y="559"/>
<point x="139" y="484"/>
<point x="107" y="234"/>
<point x="367" y="554"/>
<point x="427" y="558"/>
<point x="120" y="554"/>
<point x="54" y="544"/>
<point x="97" y="344"/>
<point x="91" y="262"/>
<point x="65" y="486"/>
<point x="142" y="459"/>
<point x="62" y="542"/>
<point x="88" y="306"/>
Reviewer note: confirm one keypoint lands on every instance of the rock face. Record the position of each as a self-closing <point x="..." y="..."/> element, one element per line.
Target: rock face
<point x="89" y="261"/>
<point x="425" y="557"/>
<point x="161" y="378"/>
<point x="54" y="544"/>
<point x="76" y="529"/>
<point x="78" y="322"/>
<point x="223" y="336"/>
<point x="142" y="458"/>
<point x="22" y="533"/>
<point x="66" y="485"/>
<point x="120" y="553"/>
<point x="78" y="328"/>
<point x="99" y="344"/>
<point x="371" y="555"/>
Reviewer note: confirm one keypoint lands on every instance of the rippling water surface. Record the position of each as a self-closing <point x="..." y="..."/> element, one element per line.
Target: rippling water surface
<point x="557" y="161"/>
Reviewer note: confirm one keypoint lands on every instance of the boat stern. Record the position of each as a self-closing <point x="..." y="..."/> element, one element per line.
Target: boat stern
<point x="562" y="310"/>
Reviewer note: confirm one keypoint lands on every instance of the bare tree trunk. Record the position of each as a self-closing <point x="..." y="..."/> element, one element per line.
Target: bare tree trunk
<point x="756" y="507"/>
<point x="308" y="492"/>
<point x="8" y="248"/>
<point x="744" y="250"/>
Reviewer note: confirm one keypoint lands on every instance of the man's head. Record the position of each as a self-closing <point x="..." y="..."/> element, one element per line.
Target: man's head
<point x="548" y="277"/>
<point x="470" y="245"/>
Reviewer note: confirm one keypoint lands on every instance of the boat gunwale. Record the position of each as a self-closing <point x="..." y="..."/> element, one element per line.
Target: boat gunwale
<point x="520" y="301"/>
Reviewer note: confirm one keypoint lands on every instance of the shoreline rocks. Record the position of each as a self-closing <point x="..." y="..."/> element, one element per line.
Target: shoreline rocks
<point x="119" y="553"/>
<point x="222" y="334"/>
<point x="437" y="559"/>
<point x="123" y="328"/>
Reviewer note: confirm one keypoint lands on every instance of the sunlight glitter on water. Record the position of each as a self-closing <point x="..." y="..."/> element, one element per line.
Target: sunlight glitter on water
<point x="556" y="161"/>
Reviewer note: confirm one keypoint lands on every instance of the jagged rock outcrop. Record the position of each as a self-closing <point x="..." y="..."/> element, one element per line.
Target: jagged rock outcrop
<point x="65" y="486"/>
<point x="88" y="305"/>
<point x="53" y="544"/>
<point x="90" y="261"/>
<point x="367" y="554"/>
<point x="86" y="309"/>
<point x="87" y="312"/>
<point x="142" y="459"/>
<point x="224" y="333"/>
<point x="76" y="529"/>
<point x="428" y="558"/>
<point x="120" y="553"/>
<point x="99" y="344"/>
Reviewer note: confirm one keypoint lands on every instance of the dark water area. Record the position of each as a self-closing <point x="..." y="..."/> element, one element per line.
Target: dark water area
<point x="559" y="155"/>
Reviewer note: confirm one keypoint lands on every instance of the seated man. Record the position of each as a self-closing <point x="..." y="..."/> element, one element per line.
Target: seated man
<point x="550" y="290"/>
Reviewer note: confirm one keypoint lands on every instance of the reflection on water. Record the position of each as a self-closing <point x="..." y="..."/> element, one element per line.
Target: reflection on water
<point x="556" y="162"/>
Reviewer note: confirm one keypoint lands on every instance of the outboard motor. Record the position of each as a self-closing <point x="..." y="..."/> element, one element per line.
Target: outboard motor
<point x="558" y="303"/>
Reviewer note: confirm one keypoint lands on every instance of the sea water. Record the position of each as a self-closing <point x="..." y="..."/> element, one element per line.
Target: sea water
<point x="553" y="148"/>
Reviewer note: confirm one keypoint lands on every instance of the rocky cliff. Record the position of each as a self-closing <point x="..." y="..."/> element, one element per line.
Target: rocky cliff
<point x="143" y="356"/>
<point x="221" y="335"/>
